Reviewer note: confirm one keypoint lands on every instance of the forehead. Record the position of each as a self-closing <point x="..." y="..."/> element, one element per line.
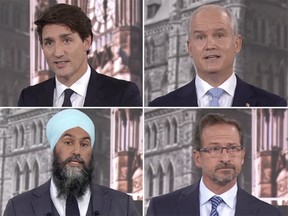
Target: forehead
<point x="56" y="30"/>
<point x="76" y="132"/>
<point x="220" y="133"/>
<point x="210" y="17"/>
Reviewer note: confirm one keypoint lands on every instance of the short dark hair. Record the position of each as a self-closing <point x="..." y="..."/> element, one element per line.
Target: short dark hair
<point x="214" y="119"/>
<point x="69" y="15"/>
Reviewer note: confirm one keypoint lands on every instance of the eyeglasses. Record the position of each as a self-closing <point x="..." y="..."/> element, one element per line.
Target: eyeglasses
<point x="216" y="151"/>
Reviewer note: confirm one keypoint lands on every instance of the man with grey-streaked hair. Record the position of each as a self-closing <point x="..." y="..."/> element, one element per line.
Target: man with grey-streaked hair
<point x="213" y="43"/>
<point x="219" y="151"/>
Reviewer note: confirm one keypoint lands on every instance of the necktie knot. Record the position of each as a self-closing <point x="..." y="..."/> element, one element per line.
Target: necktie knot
<point x="215" y="201"/>
<point x="216" y="94"/>
<point x="67" y="95"/>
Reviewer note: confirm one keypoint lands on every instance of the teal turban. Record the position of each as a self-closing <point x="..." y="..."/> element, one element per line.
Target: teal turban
<point x="65" y="120"/>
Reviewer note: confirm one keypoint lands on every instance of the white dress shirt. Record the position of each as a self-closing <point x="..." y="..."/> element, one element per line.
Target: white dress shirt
<point x="225" y="208"/>
<point x="202" y="88"/>
<point x="60" y="203"/>
<point x="79" y="88"/>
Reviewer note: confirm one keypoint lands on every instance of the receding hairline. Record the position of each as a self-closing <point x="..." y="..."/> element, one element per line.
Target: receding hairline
<point x="230" y="15"/>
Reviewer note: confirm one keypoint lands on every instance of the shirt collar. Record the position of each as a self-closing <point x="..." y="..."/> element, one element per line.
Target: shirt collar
<point x="54" y="193"/>
<point x="202" y="86"/>
<point x="80" y="86"/>
<point x="228" y="197"/>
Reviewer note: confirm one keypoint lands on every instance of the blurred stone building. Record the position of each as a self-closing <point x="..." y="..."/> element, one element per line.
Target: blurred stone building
<point x="14" y="49"/>
<point x="263" y="60"/>
<point x="168" y="147"/>
<point x="25" y="154"/>
<point x="270" y="155"/>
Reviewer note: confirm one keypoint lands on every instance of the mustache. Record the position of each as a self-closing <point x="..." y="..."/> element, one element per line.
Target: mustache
<point x="225" y="166"/>
<point x="74" y="158"/>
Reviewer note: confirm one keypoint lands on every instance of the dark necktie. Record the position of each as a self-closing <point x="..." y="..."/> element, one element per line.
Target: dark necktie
<point x="216" y="94"/>
<point x="72" y="206"/>
<point x="215" y="201"/>
<point x="67" y="95"/>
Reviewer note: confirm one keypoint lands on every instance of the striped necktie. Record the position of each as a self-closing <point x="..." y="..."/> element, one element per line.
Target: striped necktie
<point x="215" y="201"/>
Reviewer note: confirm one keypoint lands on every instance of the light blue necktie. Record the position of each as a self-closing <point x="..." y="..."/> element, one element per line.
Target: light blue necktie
<point x="216" y="94"/>
<point x="215" y="201"/>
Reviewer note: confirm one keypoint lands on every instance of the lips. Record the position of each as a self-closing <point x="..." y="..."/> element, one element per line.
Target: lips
<point x="212" y="57"/>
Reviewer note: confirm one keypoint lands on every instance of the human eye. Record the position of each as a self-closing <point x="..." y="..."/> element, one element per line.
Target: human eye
<point x="67" y="142"/>
<point x="47" y="43"/>
<point x="216" y="149"/>
<point x="219" y="35"/>
<point x="233" y="148"/>
<point x="200" y="36"/>
<point x="67" y="40"/>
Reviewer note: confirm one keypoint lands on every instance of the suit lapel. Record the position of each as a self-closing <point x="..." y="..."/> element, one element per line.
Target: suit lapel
<point x="100" y="200"/>
<point x="41" y="201"/>
<point x="46" y="96"/>
<point x="243" y="94"/>
<point x="187" y="95"/>
<point x="188" y="202"/>
<point x="95" y="94"/>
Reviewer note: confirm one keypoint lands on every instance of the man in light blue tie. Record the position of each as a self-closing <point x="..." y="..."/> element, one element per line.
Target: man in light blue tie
<point x="213" y="42"/>
<point x="219" y="151"/>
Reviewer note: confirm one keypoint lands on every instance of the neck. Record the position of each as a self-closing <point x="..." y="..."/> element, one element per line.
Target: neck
<point x="215" y="79"/>
<point x="70" y="80"/>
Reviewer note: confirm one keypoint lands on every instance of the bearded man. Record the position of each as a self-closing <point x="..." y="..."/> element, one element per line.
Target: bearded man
<point x="70" y="191"/>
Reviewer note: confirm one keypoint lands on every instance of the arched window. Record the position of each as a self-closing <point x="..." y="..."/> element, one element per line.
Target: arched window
<point x="154" y="136"/>
<point x="174" y="134"/>
<point x="16" y="182"/>
<point x="167" y="133"/>
<point x="40" y="133"/>
<point x="33" y="133"/>
<point x="15" y="137"/>
<point x="21" y="137"/>
<point x="150" y="182"/>
<point x="147" y="138"/>
<point x="26" y="173"/>
<point x="161" y="180"/>
<point x="170" y="177"/>
<point x="35" y="175"/>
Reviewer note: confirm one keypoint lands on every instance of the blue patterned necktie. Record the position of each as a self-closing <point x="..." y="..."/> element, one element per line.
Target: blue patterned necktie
<point x="216" y="94"/>
<point x="67" y="94"/>
<point x="215" y="201"/>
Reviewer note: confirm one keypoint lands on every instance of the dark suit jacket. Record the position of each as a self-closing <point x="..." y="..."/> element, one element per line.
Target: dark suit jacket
<point x="244" y="94"/>
<point x="102" y="91"/>
<point x="185" y="202"/>
<point x="38" y="202"/>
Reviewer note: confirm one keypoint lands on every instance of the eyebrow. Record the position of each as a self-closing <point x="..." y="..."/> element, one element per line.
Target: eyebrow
<point x="61" y="36"/>
<point x="217" y="30"/>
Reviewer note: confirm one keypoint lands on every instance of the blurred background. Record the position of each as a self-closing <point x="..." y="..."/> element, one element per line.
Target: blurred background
<point x="116" y="49"/>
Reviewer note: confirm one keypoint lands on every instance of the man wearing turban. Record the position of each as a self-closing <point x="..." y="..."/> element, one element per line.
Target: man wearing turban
<point x="70" y="191"/>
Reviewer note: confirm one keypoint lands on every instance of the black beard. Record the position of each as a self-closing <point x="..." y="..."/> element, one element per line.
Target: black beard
<point x="71" y="180"/>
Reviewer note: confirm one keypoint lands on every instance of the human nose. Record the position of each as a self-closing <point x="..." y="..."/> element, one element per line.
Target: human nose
<point x="210" y="43"/>
<point x="76" y="148"/>
<point x="224" y="156"/>
<point x="58" y="50"/>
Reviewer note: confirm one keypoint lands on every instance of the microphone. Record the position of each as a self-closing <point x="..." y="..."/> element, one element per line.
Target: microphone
<point x="96" y="213"/>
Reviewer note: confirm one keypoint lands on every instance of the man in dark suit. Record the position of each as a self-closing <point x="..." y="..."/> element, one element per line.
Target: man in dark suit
<point x="219" y="151"/>
<point x="65" y="34"/>
<point x="213" y="43"/>
<point x="70" y="191"/>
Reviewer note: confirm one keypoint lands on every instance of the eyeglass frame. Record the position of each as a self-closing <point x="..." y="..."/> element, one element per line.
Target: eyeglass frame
<point x="228" y="150"/>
